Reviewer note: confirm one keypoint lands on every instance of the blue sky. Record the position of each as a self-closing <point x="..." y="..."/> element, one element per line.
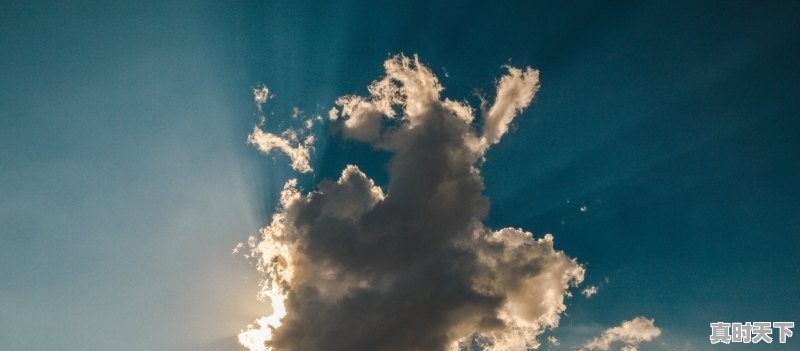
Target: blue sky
<point x="126" y="179"/>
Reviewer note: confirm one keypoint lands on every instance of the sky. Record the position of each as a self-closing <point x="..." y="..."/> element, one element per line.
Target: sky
<point x="660" y="151"/>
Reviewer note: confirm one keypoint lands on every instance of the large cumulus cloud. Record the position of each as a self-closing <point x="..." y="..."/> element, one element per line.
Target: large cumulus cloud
<point x="351" y="266"/>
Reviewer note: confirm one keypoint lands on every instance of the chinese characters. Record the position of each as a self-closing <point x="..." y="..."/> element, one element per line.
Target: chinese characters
<point x="748" y="332"/>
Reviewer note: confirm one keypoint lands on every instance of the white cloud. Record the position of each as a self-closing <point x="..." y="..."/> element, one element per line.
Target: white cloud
<point x="407" y="80"/>
<point x="590" y="291"/>
<point x="294" y="143"/>
<point x="260" y="96"/>
<point x="364" y="118"/>
<point x="296" y="112"/>
<point x="629" y="335"/>
<point x="535" y="279"/>
<point x="297" y="151"/>
<point x="514" y="93"/>
<point x="333" y="114"/>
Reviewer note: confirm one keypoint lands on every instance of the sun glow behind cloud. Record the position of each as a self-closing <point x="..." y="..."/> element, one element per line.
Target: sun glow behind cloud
<point x="347" y="266"/>
<point x="274" y="264"/>
<point x="256" y="336"/>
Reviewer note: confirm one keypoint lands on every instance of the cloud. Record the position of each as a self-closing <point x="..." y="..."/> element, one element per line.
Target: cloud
<point x="629" y="334"/>
<point x="292" y="142"/>
<point x="352" y="266"/>
<point x="589" y="291"/>
<point x="364" y="118"/>
<point x="298" y="151"/>
<point x="260" y="96"/>
<point x="296" y="112"/>
<point x="514" y="93"/>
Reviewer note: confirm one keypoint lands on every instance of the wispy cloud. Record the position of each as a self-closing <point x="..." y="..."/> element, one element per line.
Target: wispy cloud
<point x="629" y="334"/>
<point x="590" y="291"/>
<point x="297" y="150"/>
<point x="296" y="143"/>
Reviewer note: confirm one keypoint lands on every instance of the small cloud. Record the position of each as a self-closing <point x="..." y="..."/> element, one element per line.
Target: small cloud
<point x="260" y="96"/>
<point x="296" y="112"/>
<point x="590" y="291"/>
<point x="333" y="114"/>
<point x="291" y="142"/>
<point x="629" y="333"/>
<point x="238" y="248"/>
<point x="553" y="340"/>
<point x="297" y="151"/>
<point x="515" y="92"/>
